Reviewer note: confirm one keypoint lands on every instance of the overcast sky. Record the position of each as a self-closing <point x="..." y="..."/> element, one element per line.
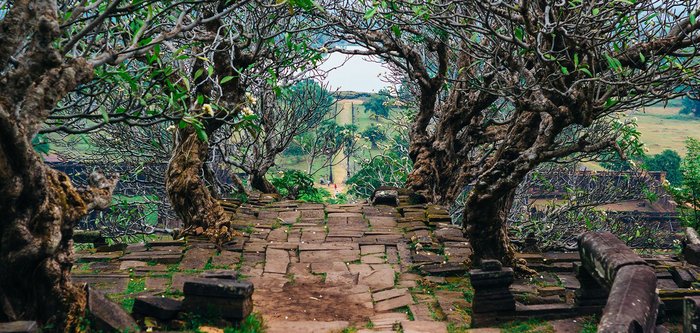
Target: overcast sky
<point x="358" y="73"/>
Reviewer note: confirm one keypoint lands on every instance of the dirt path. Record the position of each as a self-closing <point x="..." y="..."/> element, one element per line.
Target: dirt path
<point x="344" y="117"/>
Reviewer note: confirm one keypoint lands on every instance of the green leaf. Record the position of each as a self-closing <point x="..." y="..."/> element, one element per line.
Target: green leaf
<point x="595" y="11"/>
<point x="642" y="58"/>
<point x="104" y="114"/>
<point x="519" y="33"/>
<point x="692" y="18"/>
<point x="370" y="13"/>
<point x="585" y="70"/>
<point x="226" y="79"/>
<point x="210" y="70"/>
<point x="201" y="134"/>
<point x="396" y="30"/>
<point x="197" y="74"/>
<point x="564" y="70"/>
<point x="575" y="60"/>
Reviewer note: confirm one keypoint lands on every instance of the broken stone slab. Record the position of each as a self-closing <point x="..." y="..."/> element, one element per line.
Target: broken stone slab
<point x="330" y="255"/>
<point x="388" y="294"/>
<point x="220" y="288"/>
<point x="378" y="280"/>
<point x="288" y="326"/>
<point x="226" y="274"/>
<point x="195" y="258"/>
<point x="161" y="257"/>
<point x="445" y="269"/>
<point x="162" y="308"/>
<point x="682" y="277"/>
<point x="633" y="303"/>
<point x="19" y="327"/>
<point x="388" y="320"/>
<point x="276" y="261"/>
<point x="107" y="315"/>
<point x="372" y="249"/>
<point x="423" y="326"/>
<point x="393" y="303"/>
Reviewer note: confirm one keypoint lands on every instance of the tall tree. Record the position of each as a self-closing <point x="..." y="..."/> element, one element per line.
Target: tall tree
<point x="512" y="85"/>
<point x="49" y="49"/>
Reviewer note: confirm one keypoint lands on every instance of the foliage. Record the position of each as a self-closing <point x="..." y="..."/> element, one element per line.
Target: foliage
<point x="689" y="192"/>
<point x="378" y="104"/>
<point x="668" y="161"/>
<point x="374" y="134"/>
<point x="389" y="169"/>
<point x="294" y="184"/>
<point x="691" y="106"/>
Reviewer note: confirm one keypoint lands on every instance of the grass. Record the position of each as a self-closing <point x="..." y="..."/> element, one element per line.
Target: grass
<point x="135" y="286"/>
<point x="530" y="325"/>
<point x="663" y="128"/>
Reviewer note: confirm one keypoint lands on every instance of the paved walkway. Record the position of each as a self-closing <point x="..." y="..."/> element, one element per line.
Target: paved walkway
<point x="325" y="268"/>
<point x="321" y="267"/>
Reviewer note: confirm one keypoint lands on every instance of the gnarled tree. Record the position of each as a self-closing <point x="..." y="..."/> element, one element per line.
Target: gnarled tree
<point x="48" y="49"/>
<point x="526" y="83"/>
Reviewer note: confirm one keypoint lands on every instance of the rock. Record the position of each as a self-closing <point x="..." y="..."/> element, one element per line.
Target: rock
<point x="288" y="326"/>
<point x="393" y="303"/>
<point x="691" y="314"/>
<point x="423" y="326"/>
<point x="691" y="253"/>
<point x="491" y="290"/>
<point x="491" y="265"/>
<point x="19" y="327"/>
<point x="221" y="288"/>
<point x="158" y="307"/>
<point x="682" y="277"/>
<point x="107" y="315"/>
<point x="385" y="196"/>
<point x="226" y="274"/>
<point x="551" y="291"/>
<point x="235" y="309"/>
<point x="378" y="280"/>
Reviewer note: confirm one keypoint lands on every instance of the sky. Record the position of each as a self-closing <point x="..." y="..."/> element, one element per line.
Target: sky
<point x="358" y="73"/>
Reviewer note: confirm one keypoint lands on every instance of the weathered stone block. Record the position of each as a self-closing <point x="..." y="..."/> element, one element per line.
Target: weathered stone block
<point x="633" y="303"/>
<point x="107" y="315"/>
<point x="157" y="307"/>
<point x="227" y="308"/>
<point x="603" y="254"/>
<point x="221" y="288"/>
<point x="691" y="314"/>
<point x="385" y="196"/>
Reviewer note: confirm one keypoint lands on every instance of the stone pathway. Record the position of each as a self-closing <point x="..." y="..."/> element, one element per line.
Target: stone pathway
<point x="320" y="267"/>
<point x="324" y="268"/>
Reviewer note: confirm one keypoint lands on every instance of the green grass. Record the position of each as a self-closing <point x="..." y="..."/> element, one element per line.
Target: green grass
<point x="135" y="286"/>
<point x="530" y="325"/>
<point x="663" y="128"/>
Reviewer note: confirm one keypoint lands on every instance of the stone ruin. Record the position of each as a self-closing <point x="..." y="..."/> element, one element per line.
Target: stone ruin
<point x="377" y="256"/>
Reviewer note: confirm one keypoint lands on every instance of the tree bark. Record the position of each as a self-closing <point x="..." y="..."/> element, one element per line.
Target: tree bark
<point x="188" y="193"/>
<point x="40" y="208"/>
<point x="259" y="182"/>
<point x="485" y="224"/>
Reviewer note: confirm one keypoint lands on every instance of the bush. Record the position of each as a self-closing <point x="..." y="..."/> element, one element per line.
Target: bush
<point x="383" y="170"/>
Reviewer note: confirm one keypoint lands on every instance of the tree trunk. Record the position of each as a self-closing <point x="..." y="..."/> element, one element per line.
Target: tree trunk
<point x="189" y="195"/>
<point x="39" y="208"/>
<point x="259" y="182"/>
<point x="485" y="225"/>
